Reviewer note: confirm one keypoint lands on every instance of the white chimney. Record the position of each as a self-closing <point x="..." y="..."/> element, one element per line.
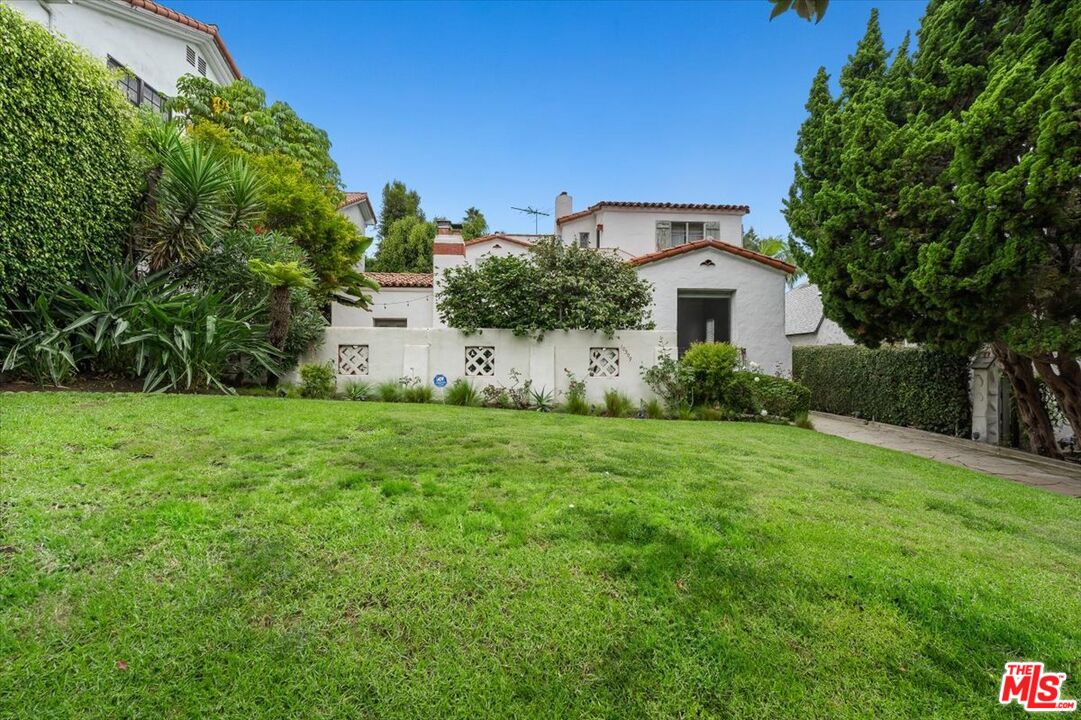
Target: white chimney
<point x="564" y="206"/>
<point x="448" y="251"/>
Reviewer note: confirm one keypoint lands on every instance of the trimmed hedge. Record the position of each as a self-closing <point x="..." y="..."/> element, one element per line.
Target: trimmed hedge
<point x="69" y="170"/>
<point x="920" y="388"/>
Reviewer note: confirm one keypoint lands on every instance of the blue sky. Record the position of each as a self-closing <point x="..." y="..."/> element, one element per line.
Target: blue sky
<point x="501" y="104"/>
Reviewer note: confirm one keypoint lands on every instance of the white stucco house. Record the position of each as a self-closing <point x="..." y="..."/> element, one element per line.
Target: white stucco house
<point x="806" y="324"/>
<point x="155" y="45"/>
<point x="707" y="286"/>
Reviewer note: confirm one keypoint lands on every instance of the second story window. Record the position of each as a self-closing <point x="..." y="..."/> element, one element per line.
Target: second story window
<point x="137" y="92"/>
<point x="671" y="233"/>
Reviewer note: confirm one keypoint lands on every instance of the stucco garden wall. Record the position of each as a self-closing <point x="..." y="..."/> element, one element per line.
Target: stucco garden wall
<point x="414" y="305"/>
<point x="376" y="355"/>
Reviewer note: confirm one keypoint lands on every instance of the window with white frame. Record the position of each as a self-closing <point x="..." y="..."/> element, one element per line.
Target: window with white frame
<point x="583" y="239"/>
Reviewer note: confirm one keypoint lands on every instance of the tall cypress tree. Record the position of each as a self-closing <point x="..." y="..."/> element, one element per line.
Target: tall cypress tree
<point x="940" y="208"/>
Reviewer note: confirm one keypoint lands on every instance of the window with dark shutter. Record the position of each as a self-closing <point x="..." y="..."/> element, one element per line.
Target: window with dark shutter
<point x="191" y="55"/>
<point x="202" y="67"/>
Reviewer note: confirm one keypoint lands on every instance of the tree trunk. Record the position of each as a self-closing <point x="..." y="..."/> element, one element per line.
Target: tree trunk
<point x="1026" y="394"/>
<point x="280" y="311"/>
<point x="1063" y="375"/>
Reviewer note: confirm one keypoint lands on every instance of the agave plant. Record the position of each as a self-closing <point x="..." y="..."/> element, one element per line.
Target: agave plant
<point x="191" y="206"/>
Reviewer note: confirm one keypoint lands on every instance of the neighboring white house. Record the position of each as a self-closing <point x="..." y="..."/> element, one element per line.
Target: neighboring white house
<point x="707" y="286"/>
<point x="155" y="45"/>
<point x="806" y="324"/>
<point x="358" y="209"/>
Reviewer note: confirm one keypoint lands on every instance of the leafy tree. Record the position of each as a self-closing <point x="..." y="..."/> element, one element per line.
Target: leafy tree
<point x="775" y="246"/>
<point x="227" y="269"/>
<point x="933" y="197"/>
<point x="555" y="287"/>
<point x="398" y="202"/>
<point x="473" y="224"/>
<point x="299" y="208"/>
<point x="240" y="110"/>
<point x="406" y="247"/>
<point x="70" y="171"/>
<point x="806" y="9"/>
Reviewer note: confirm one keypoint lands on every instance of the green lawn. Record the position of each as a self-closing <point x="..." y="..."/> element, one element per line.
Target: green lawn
<point x="195" y="556"/>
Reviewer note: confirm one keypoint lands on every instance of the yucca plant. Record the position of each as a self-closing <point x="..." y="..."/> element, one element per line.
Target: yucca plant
<point x="243" y="189"/>
<point x="190" y="206"/>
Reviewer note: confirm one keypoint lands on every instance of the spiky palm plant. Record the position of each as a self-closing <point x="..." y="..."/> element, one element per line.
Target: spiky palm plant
<point x="191" y="206"/>
<point x="243" y="189"/>
<point x="281" y="277"/>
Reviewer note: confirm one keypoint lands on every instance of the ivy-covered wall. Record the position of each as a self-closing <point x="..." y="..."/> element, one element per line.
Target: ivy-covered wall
<point x="919" y="388"/>
<point x="69" y="171"/>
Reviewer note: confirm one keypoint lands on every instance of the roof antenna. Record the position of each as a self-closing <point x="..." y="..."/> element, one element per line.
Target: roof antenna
<point x="530" y="210"/>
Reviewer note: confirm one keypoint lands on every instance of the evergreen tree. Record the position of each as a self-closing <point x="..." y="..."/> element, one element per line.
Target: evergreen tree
<point x="398" y="202"/>
<point x="473" y="224"/>
<point x="936" y="199"/>
<point x="406" y="247"/>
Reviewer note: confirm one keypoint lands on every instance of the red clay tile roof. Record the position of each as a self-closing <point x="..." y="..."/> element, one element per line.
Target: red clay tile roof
<point x="498" y="236"/>
<point x="211" y="30"/>
<point x="716" y="245"/>
<point x="401" y="280"/>
<point x="353" y="198"/>
<point x="744" y="209"/>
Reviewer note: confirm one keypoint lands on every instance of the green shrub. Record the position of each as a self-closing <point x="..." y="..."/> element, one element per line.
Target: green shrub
<point x="777" y="396"/>
<point x="225" y="268"/>
<point x="70" y="173"/>
<point x="653" y="409"/>
<point x="414" y="391"/>
<point x="139" y="327"/>
<point x="616" y="404"/>
<point x="672" y="381"/>
<point x="919" y="388"/>
<point x="389" y="391"/>
<point x="317" y="380"/>
<point x="496" y="396"/>
<point x="713" y="366"/>
<point x="461" y="392"/>
<point x="575" y="396"/>
<point x="358" y="390"/>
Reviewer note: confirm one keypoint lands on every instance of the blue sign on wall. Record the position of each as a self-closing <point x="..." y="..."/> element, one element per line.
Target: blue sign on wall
<point x="440" y="380"/>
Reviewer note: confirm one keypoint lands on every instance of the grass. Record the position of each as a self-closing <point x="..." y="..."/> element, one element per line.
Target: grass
<point x="197" y="556"/>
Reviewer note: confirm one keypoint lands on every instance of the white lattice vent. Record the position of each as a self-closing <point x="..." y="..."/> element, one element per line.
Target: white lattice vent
<point x="479" y="360"/>
<point x="604" y="362"/>
<point x="352" y="359"/>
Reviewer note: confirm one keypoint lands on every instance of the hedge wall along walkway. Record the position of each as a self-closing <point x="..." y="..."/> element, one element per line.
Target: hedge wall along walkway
<point x="902" y="386"/>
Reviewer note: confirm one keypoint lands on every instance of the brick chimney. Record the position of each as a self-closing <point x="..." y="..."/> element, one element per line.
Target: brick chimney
<point x="448" y="251"/>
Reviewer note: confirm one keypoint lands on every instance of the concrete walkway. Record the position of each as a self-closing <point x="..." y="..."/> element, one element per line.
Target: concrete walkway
<point x="1054" y="475"/>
